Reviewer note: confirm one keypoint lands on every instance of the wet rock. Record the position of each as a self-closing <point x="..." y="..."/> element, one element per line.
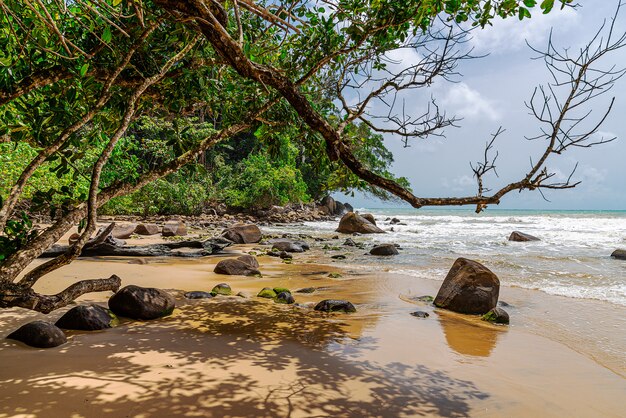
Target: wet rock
<point x="243" y="295"/>
<point x="284" y="298"/>
<point x="369" y="217"/>
<point x="338" y="257"/>
<point x="420" y="314"/>
<point x="349" y="243"/>
<point x="147" y="229"/>
<point x="384" y="249"/>
<point x="174" y="229"/>
<point x="619" y="254"/>
<point x="221" y="289"/>
<point x="497" y="316"/>
<point x="306" y="290"/>
<point x="123" y="231"/>
<point x="288" y="246"/>
<point x="235" y="267"/>
<point x="340" y="208"/>
<point x="394" y="221"/>
<point x="333" y="305"/>
<point x="278" y="290"/>
<point x="249" y="259"/>
<point x="243" y="234"/>
<point x="141" y="302"/>
<point x="40" y="334"/>
<point x="469" y="288"/>
<point x="285" y="255"/>
<point x="348" y="207"/>
<point x="504" y="304"/>
<point x="328" y="203"/>
<point x="425" y="299"/>
<point x="335" y="275"/>
<point x="521" y="237"/>
<point x="197" y="294"/>
<point x="351" y="223"/>
<point x="267" y="293"/>
<point x="87" y="318"/>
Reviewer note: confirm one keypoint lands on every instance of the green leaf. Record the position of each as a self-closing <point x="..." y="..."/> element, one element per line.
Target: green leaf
<point x="84" y="69"/>
<point x="106" y="35"/>
<point x="116" y="2"/>
<point x="547" y="5"/>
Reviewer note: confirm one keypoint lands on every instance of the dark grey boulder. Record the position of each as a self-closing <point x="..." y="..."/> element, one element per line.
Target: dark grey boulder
<point x="348" y="207"/>
<point x="284" y="298"/>
<point x="243" y="234"/>
<point x="384" y="249"/>
<point x="287" y="246"/>
<point x="87" y="318"/>
<point x="235" y="267"/>
<point x="394" y="221"/>
<point x="338" y="257"/>
<point x="197" y="294"/>
<point x="469" y="288"/>
<point x="497" y="316"/>
<point x="333" y="305"/>
<point x="522" y="237"/>
<point x="420" y="314"/>
<point x="147" y="229"/>
<point x="340" y="208"/>
<point x="619" y="254"/>
<point x="40" y="334"/>
<point x="142" y="302"/>
<point x="352" y="223"/>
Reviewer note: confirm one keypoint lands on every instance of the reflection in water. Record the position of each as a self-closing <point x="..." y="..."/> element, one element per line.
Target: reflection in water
<point x="467" y="336"/>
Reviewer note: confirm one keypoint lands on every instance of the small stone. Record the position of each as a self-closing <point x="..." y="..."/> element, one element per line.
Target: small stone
<point x="332" y="305"/>
<point x="198" y="295"/>
<point x="285" y="255"/>
<point x="40" y="334"/>
<point x="420" y="314"/>
<point x="384" y="250"/>
<point x="284" y="298"/>
<point x="425" y="298"/>
<point x="267" y="293"/>
<point x="335" y="275"/>
<point x="222" y="289"/>
<point x="497" y="316"/>
<point x="306" y="290"/>
<point x="349" y="243"/>
<point x="338" y="257"/>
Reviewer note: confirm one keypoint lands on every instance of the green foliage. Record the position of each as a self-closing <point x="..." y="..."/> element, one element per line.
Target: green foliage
<point x="17" y="232"/>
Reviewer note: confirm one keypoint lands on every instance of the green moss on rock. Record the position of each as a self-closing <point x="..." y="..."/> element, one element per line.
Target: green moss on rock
<point x="267" y="293"/>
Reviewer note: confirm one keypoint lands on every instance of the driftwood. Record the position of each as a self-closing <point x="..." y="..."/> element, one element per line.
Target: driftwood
<point x="113" y="247"/>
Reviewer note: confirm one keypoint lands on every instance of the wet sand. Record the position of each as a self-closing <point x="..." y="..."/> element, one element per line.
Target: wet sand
<point x="234" y="357"/>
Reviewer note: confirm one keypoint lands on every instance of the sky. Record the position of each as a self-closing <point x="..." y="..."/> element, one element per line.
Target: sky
<point x="491" y="93"/>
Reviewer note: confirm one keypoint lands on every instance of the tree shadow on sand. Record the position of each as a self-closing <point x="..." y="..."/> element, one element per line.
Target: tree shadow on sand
<point x="225" y="358"/>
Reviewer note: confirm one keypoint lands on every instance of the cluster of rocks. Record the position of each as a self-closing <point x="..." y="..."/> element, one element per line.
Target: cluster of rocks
<point x="125" y="231"/>
<point x="132" y="302"/>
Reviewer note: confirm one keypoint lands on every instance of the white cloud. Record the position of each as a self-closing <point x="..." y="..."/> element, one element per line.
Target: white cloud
<point x="468" y="103"/>
<point x="510" y="34"/>
<point x="461" y="183"/>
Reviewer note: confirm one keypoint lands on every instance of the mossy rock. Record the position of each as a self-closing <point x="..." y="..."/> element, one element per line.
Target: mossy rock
<point x="284" y="298"/>
<point x="496" y="316"/>
<point x="425" y="298"/>
<point x="222" y="289"/>
<point x="335" y="275"/>
<point x="281" y="290"/>
<point x="267" y="293"/>
<point x="306" y="290"/>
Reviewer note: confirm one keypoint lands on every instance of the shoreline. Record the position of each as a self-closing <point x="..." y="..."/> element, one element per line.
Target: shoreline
<point x="231" y="356"/>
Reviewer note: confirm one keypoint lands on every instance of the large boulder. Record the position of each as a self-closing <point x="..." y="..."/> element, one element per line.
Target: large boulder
<point x="87" y="318"/>
<point x="141" y="302"/>
<point x="236" y="267"/>
<point x="521" y="237"/>
<point x="351" y="223"/>
<point x="174" y="229"/>
<point x="469" y="288"/>
<point x="340" y="208"/>
<point x="40" y="334"/>
<point x="330" y="205"/>
<point x="332" y="305"/>
<point x="147" y="229"/>
<point x="369" y="217"/>
<point x="619" y="254"/>
<point x="123" y="231"/>
<point x="243" y="234"/>
<point x="384" y="249"/>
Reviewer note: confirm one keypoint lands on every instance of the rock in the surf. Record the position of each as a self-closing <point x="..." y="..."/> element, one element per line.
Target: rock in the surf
<point x="384" y="249"/>
<point x="351" y="223"/>
<point x="469" y="288"/>
<point x="522" y="237"/>
<point x="619" y="254"/>
<point x="497" y="316"/>
<point x="332" y="305"/>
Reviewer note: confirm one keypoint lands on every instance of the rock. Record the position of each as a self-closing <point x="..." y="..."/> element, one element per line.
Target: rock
<point x="369" y="217"/>
<point x="198" y="295"/>
<point x="425" y="298"/>
<point x="287" y="246"/>
<point x="306" y="290"/>
<point x="394" y="221"/>
<point x="619" y="254"/>
<point x="335" y="275"/>
<point x="284" y="298"/>
<point x="521" y="237"/>
<point x="243" y="234"/>
<point x="141" y="302"/>
<point x="351" y="223"/>
<point x="329" y="203"/>
<point x="221" y="289"/>
<point x="469" y="288"/>
<point x="420" y="314"/>
<point x="285" y="255"/>
<point x="349" y="243"/>
<point x="249" y="259"/>
<point x="174" y="229"/>
<point x="87" y="318"/>
<point x="340" y="208"/>
<point x="504" y="304"/>
<point x="123" y="231"/>
<point x="236" y="267"/>
<point x="243" y="295"/>
<point x="147" y="229"/>
<point x="497" y="316"/>
<point x="73" y="238"/>
<point x="278" y="290"/>
<point x="348" y="207"/>
<point x="338" y="257"/>
<point x="332" y="305"/>
<point x="384" y="249"/>
<point x="40" y="334"/>
<point x="267" y="293"/>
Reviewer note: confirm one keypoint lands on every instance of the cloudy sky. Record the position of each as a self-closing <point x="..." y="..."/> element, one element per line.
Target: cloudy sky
<point x="491" y="93"/>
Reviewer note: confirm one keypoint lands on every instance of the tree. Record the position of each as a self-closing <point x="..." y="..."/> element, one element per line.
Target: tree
<point x="76" y="74"/>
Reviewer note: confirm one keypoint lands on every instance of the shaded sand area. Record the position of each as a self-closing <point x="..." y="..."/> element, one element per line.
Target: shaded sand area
<point x="240" y="357"/>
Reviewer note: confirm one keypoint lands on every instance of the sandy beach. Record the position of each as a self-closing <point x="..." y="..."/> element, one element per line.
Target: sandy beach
<point x="236" y="357"/>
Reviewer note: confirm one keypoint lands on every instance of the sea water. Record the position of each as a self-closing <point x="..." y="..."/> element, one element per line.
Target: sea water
<point x="572" y="258"/>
